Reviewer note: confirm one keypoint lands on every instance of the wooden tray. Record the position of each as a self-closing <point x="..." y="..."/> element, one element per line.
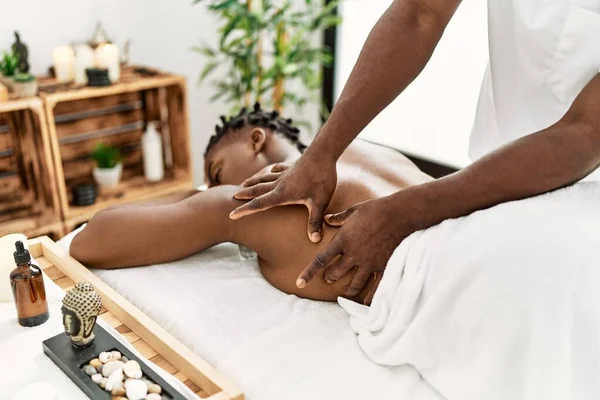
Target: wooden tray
<point x="149" y="338"/>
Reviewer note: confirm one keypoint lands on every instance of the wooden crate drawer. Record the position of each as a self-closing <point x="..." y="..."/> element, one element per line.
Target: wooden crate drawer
<point x="28" y="195"/>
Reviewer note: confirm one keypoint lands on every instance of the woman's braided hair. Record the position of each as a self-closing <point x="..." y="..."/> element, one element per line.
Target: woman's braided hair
<point x="260" y="119"/>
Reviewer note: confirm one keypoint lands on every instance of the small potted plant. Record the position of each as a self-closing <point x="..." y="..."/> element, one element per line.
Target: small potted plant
<point x="108" y="166"/>
<point x="25" y="85"/>
<point x="8" y="68"/>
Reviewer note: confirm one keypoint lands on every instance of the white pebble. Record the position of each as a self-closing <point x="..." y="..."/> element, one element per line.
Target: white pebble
<point x="132" y="369"/>
<point x="105" y="357"/>
<point x="114" y="380"/>
<point x="97" y="378"/>
<point x="102" y="383"/>
<point x="116" y="355"/>
<point x="111" y="367"/>
<point x="154" y="388"/>
<point x="154" y="396"/>
<point x="136" y="389"/>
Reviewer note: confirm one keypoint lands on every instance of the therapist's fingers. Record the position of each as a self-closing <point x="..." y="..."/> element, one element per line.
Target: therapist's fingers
<point x="338" y="269"/>
<point x="261" y="178"/>
<point x="252" y="192"/>
<point x="377" y="279"/>
<point x="315" y="220"/>
<point x="320" y="262"/>
<point x="358" y="282"/>
<point x="338" y="219"/>
<point x="280" y="167"/>
<point x="255" y="205"/>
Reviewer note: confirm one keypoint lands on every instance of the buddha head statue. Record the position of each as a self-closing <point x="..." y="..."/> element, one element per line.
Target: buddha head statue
<point x="81" y="307"/>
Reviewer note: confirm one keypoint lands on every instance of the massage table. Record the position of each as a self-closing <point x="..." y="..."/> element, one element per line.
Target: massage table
<point x="272" y="345"/>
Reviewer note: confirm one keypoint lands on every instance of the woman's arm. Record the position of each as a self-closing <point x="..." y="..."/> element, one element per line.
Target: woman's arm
<point x="141" y="234"/>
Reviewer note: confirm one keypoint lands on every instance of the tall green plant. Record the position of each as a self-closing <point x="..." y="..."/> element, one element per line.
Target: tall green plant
<point x="265" y="45"/>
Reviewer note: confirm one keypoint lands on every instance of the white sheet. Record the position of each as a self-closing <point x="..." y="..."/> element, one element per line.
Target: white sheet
<point x="272" y="345"/>
<point x="502" y="304"/>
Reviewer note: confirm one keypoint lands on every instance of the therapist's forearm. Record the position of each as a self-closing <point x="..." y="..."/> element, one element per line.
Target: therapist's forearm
<point x="394" y="54"/>
<point x="555" y="157"/>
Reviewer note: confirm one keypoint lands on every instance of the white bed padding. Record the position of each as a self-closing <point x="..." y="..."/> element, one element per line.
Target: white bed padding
<point x="502" y="304"/>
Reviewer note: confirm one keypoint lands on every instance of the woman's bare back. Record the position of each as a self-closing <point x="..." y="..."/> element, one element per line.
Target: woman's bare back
<point x="146" y="234"/>
<point x="279" y="235"/>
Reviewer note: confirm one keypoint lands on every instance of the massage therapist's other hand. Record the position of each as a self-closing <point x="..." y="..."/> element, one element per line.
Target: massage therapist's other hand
<point x="309" y="181"/>
<point x="369" y="234"/>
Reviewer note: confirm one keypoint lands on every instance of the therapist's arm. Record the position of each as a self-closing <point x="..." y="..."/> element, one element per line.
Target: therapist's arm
<point x="394" y="54"/>
<point x="555" y="157"/>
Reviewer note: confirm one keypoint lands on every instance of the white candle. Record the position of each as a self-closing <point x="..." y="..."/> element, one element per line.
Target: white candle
<point x="63" y="63"/>
<point x="84" y="58"/>
<point x="107" y="56"/>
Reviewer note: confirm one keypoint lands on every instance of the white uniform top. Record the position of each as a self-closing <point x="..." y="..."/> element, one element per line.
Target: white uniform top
<point x="542" y="54"/>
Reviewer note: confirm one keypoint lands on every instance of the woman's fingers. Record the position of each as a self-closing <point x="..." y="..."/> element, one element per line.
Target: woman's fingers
<point x="320" y="262"/>
<point x="261" y="178"/>
<point x="338" y="269"/>
<point x="254" y="191"/>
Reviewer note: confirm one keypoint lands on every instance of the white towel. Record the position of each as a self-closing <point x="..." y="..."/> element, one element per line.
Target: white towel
<point x="502" y="304"/>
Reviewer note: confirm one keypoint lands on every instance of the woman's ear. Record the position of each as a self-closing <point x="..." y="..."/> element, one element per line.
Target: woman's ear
<point x="259" y="136"/>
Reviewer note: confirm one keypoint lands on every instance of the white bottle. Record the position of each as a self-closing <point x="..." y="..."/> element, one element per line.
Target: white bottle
<point x="153" y="154"/>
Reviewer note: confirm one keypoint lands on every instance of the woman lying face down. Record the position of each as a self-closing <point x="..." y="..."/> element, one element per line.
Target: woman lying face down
<point x="176" y="227"/>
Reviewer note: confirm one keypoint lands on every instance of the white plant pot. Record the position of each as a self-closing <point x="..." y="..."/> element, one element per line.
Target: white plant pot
<point x="7" y="81"/>
<point x="108" y="178"/>
<point x="25" y="89"/>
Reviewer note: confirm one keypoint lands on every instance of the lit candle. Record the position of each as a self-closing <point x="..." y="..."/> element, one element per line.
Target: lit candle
<point x="84" y="58"/>
<point x="63" y="63"/>
<point x="107" y="56"/>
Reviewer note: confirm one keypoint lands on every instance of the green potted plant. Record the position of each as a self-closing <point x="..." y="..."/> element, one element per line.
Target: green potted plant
<point x="108" y="166"/>
<point x="269" y="48"/>
<point x="8" y="68"/>
<point x="24" y="85"/>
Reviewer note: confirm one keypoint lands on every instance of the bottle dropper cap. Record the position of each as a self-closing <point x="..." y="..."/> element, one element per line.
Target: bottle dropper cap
<point x="22" y="254"/>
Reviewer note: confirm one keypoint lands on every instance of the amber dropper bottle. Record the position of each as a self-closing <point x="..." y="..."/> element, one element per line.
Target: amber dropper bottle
<point x="28" y="289"/>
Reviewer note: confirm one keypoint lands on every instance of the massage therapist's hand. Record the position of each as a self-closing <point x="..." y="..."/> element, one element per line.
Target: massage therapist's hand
<point x="369" y="234"/>
<point x="310" y="181"/>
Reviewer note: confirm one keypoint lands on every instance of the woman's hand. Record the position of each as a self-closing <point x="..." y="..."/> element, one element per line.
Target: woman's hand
<point x="309" y="181"/>
<point x="369" y="234"/>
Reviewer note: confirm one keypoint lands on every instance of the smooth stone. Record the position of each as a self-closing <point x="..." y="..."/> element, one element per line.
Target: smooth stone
<point x="115" y="380"/>
<point x="118" y="391"/>
<point x="96" y="378"/>
<point x="96" y="363"/>
<point x="124" y="359"/>
<point x="136" y="389"/>
<point x="89" y="370"/>
<point x="132" y="369"/>
<point x="154" y="396"/>
<point x="119" y="398"/>
<point x="116" y="355"/>
<point x="154" y="388"/>
<point x="111" y="367"/>
<point x="102" y="383"/>
<point x="105" y="357"/>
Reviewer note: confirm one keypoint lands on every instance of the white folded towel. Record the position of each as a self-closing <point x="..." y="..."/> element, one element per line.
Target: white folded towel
<point x="501" y="304"/>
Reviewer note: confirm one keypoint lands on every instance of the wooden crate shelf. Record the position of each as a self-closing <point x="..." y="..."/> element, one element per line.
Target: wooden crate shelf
<point x="80" y="117"/>
<point x="28" y="196"/>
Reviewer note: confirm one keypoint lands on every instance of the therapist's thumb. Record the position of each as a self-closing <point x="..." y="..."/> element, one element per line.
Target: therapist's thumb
<point x="315" y="222"/>
<point x="340" y="218"/>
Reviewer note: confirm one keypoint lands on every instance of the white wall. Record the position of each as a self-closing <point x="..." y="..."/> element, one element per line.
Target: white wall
<point x="432" y="119"/>
<point x="162" y="32"/>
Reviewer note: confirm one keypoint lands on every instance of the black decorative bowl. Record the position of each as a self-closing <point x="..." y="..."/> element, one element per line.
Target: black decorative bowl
<point x="84" y="194"/>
